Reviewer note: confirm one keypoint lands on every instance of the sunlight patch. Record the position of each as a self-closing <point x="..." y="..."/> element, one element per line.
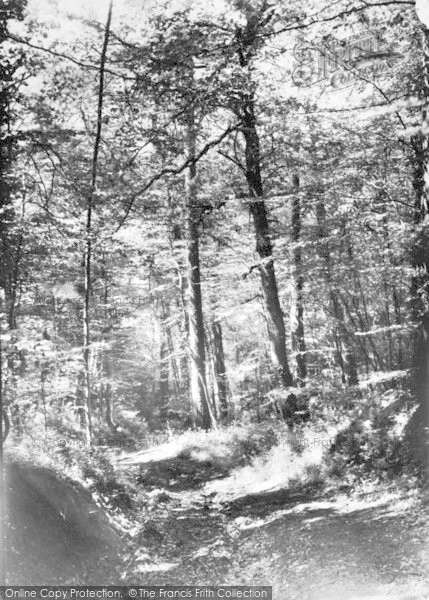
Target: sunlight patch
<point x="284" y="467"/>
<point x="156" y="568"/>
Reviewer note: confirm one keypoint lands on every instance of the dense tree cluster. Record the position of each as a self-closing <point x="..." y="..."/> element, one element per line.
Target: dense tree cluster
<point x="210" y="211"/>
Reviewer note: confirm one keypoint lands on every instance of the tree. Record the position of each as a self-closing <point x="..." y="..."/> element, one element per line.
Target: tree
<point x="245" y="108"/>
<point x="87" y="409"/>
<point x="198" y="383"/>
<point x="10" y="242"/>
<point x="175" y="93"/>
<point x="219" y="368"/>
<point x="297" y="300"/>
<point x="341" y="334"/>
<point x="420" y="261"/>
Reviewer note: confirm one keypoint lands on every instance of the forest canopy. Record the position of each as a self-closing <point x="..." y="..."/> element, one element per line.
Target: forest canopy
<point x="210" y="213"/>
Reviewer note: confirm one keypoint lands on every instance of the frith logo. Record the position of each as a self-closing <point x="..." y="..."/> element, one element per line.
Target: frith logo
<point x="341" y="63"/>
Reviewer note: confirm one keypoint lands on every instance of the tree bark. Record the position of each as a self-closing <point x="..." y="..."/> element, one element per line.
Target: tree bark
<point x="200" y="411"/>
<point x="164" y="390"/>
<point x="220" y="370"/>
<point x="246" y="45"/>
<point x="106" y="391"/>
<point x="264" y="248"/>
<point x="180" y="365"/>
<point x="87" y="409"/>
<point x="9" y="259"/>
<point x="346" y="357"/>
<point x="297" y="301"/>
<point x="417" y="429"/>
<point x="108" y="402"/>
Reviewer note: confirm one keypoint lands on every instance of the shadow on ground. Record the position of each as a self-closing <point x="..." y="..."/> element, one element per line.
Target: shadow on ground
<point x="55" y="533"/>
<point x="305" y="544"/>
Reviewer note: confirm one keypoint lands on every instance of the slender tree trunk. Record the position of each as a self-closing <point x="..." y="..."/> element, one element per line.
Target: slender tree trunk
<point x="174" y="366"/>
<point x="387" y="293"/>
<point x="180" y="366"/>
<point x="264" y="247"/>
<point x="164" y="391"/>
<point x="43" y="377"/>
<point x="369" y="360"/>
<point x="15" y="267"/>
<point x="108" y="402"/>
<point x="346" y="356"/>
<point x="388" y="322"/>
<point x="14" y="284"/>
<point x="87" y="405"/>
<point x="8" y="264"/>
<point x="247" y="40"/>
<point x="213" y="391"/>
<point x="87" y="409"/>
<point x="197" y="359"/>
<point x="6" y="219"/>
<point x="398" y="321"/>
<point x="392" y="295"/>
<point x="220" y="370"/>
<point x="297" y="301"/>
<point x="106" y="392"/>
<point x="417" y="429"/>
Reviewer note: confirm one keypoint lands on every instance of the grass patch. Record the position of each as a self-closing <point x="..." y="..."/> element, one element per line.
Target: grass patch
<point x="298" y="459"/>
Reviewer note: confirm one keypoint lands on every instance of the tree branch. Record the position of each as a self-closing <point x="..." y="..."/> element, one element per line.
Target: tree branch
<point x="71" y="59"/>
<point x="174" y="171"/>
<point x="340" y="15"/>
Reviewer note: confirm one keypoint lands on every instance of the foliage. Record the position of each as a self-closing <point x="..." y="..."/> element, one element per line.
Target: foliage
<point x="350" y="150"/>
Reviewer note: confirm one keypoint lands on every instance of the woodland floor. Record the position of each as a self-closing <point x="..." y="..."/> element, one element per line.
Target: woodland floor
<point x="307" y="544"/>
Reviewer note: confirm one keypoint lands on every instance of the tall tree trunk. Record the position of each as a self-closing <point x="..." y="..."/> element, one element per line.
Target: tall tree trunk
<point x="14" y="259"/>
<point x="264" y="247"/>
<point x="297" y="301"/>
<point x="417" y="429"/>
<point x="394" y="295"/>
<point x="180" y="365"/>
<point x="347" y="358"/>
<point x="200" y="410"/>
<point x="87" y="424"/>
<point x="398" y="321"/>
<point x="106" y="392"/>
<point x="220" y="370"/>
<point x="345" y="354"/>
<point x="164" y="391"/>
<point x="388" y="295"/>
<point x="14" y="284"/>
<point x="173" y="361"/>
<point x="246" y="47"/>
<point x="6" y="219"/>
<point x="7" y="151"/>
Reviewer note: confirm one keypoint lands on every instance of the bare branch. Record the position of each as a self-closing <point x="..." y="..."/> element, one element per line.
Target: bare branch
<point x="79" y="63"/>
<point x="345" y="13"/>
<point x="233" y="160"/>
<point x="174" y="171"/>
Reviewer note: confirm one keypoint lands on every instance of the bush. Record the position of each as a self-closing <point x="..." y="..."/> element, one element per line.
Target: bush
<point x="373" y="442"/>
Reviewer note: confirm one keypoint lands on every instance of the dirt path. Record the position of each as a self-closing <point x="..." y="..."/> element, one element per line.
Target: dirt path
<point x="306" y="545"/>
<point x="373" y="546"/>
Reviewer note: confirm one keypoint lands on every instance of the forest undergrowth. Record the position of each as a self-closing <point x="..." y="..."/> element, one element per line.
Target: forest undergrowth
<point x="202" y="496"/>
